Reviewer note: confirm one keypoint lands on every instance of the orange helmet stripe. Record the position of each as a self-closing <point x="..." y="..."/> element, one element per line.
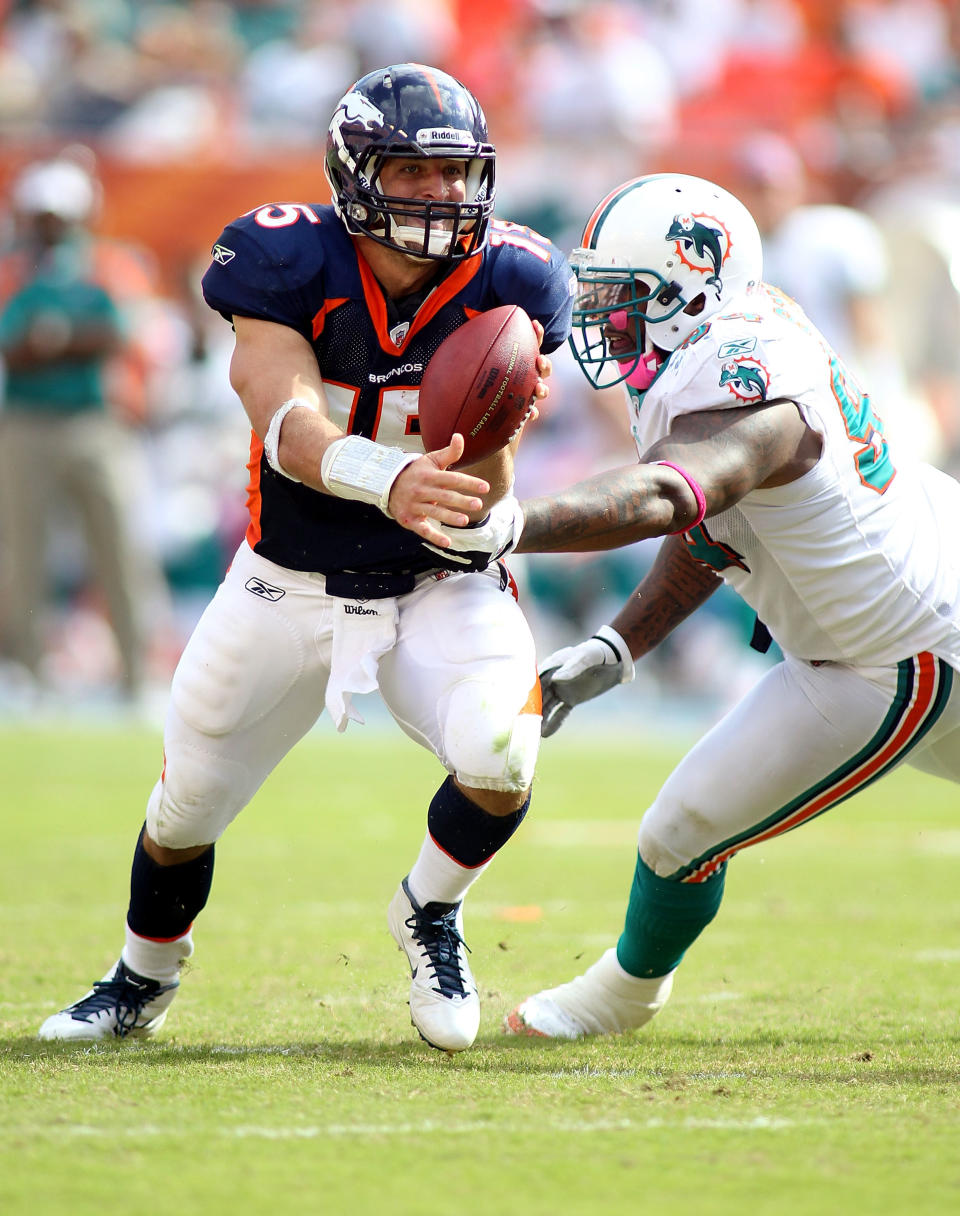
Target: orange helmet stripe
<point x="603" y="207"/>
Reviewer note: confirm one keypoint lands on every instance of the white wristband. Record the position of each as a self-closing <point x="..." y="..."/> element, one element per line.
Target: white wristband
<point x="609" y="635"/>
<point x="271" y="441"/>
<point x="358" y="468"/>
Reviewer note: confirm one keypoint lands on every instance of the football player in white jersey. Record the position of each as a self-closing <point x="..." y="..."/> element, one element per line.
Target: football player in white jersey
<point x="763" y="464"/>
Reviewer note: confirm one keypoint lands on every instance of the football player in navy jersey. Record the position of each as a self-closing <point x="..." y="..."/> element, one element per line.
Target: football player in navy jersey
<point x="344" y="584"/>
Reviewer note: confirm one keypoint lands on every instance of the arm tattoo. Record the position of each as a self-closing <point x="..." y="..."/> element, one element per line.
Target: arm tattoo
<point x="728" y="452"/>
<point x="676" y="585"/>
<point x="605" y="512"/>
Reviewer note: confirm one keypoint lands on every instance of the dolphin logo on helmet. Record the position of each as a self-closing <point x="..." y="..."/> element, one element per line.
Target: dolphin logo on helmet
<point x="702" y="245"/>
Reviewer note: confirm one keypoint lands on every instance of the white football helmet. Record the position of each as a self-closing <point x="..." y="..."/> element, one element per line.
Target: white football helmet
<point x="659" y="257"/>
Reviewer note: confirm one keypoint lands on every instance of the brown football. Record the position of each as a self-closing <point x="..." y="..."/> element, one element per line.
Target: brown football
<point x="480" y="382"/>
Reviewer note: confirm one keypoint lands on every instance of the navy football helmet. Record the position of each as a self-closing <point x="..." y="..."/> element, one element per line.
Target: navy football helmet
<point x="410" y="110"/>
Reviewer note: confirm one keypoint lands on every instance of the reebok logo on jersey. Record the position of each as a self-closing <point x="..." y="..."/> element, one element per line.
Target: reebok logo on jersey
<point x="736" y="348"/>
<point x="258" y="587"/>
<point x="222" y="254"/>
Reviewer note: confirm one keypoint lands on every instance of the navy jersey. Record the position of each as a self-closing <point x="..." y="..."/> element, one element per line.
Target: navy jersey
<point x="296" y="265"/>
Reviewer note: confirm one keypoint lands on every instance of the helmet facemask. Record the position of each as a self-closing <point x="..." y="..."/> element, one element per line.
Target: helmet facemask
<point x="422" y="228"/>
<point x="614" y="334"/>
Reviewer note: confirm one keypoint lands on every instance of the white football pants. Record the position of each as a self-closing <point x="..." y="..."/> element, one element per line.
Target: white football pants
<point x="453" y="659"/>
<point x="803" y="739"/>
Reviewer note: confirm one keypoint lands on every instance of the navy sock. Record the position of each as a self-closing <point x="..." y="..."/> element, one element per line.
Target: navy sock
<point x="465" y="831"/>
<point x="164" y="900"/>
<point x="664" y="917"/>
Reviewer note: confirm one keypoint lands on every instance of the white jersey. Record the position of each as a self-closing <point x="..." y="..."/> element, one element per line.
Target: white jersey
<point x="857" y="561"/>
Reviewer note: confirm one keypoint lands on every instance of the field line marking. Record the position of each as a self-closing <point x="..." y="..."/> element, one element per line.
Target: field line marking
<point x="248" y="1131"/>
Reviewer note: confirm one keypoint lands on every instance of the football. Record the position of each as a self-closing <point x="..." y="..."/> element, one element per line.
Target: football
<point x="480" y="382"/>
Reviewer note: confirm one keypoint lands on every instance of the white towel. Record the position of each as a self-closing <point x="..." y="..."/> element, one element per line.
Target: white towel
<point x="363" y="631"/>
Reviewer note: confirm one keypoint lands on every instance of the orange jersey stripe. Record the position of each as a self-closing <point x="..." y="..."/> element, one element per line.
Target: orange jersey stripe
<point x="376" y="306"/>
<point x="320" y="318"/>
<point x="253" y="489"/>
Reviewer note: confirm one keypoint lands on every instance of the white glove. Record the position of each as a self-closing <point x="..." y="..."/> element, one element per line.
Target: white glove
<point x="494" y="536"/>
<point x="579" y="673"/>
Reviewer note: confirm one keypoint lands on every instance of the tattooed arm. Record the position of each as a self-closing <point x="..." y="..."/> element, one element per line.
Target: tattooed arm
<point x="728" y="452"/>
<point x="675" y="586"/>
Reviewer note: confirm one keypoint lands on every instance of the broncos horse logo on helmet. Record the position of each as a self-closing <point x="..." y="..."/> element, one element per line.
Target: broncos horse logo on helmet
<point x="411" y="110"/>
<point x="659" y="257"/>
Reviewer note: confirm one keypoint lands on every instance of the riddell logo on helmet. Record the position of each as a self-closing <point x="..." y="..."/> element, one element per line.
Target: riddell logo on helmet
<point x="447" y="136"/>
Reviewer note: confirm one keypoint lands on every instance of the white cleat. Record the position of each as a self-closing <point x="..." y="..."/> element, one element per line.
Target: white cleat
<point x="444" y="1005"/>
<point x="121" y="1004"/>
<point x="604" y="1000"/>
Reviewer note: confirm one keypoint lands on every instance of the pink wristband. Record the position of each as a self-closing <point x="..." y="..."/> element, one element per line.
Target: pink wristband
<point x="697" y="493"/>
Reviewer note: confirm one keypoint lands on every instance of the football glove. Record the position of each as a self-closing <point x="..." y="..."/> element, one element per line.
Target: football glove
<point x="477" y="545"/>
<point x="579" y="673"/>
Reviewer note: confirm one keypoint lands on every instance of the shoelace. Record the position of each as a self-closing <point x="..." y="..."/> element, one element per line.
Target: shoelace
<point x="441" y="943"/>
<point x="123" y="993"/>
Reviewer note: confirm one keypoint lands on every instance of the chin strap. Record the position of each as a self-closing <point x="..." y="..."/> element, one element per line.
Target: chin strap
<point x="644" y="372"/>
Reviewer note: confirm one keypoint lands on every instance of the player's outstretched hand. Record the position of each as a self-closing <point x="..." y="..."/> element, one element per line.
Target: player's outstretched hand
<point x="428" y="492"/>
<point x="494" y="536"/>
<point x="579" y="673"/>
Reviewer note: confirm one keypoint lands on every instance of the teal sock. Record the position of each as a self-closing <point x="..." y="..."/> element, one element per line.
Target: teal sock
<point x="664" y="917"/>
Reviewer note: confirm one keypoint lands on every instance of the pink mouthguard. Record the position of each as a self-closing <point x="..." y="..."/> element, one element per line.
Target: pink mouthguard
<point x="647" y="365"/>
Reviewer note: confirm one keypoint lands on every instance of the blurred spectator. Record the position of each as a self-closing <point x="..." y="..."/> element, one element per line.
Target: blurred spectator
<point x="698" y="62"/>
<point x="62" y="336"/>
<point x="288" y="83"/>
<point x="833" y="261"/>
<point x="403" y="31"/>
<point x="187" y="58"/>
<point x="918" y="210"/>
<point x="593" y="100"/>
<point x="907" y="39"/>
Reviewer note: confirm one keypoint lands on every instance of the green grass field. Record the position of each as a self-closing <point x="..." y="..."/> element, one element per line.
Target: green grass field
<point x="808" y="1063"/>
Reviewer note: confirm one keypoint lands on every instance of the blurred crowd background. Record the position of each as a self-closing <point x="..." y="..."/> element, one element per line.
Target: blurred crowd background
<point x="132" y="132"/>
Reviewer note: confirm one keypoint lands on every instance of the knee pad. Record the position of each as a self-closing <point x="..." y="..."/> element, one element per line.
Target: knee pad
<point x="490" y="741"/>
<point x="657" y="842"/>
<point x="197" y="797"/>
